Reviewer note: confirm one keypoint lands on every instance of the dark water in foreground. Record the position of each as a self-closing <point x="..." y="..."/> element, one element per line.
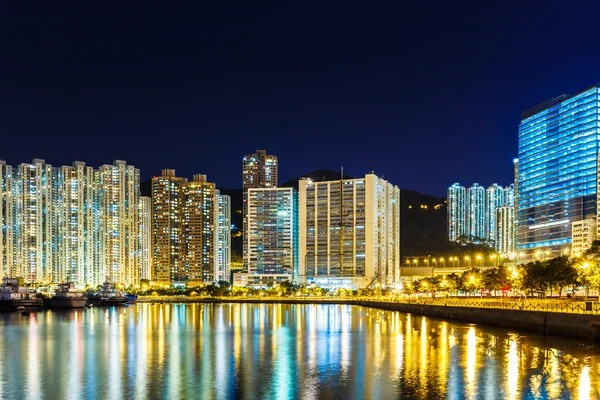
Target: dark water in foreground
<point x="227" y="351"/>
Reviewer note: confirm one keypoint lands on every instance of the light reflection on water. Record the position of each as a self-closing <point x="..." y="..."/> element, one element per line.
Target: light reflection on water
<point x="249" y="351"/>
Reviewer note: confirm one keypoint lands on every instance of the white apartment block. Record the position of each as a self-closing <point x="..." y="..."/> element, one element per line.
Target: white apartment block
<point x="583" y="234"/>
<point x="145" y="237"/>
<point x="349" y="232"/>
<point x="272" y="239"/>
<point x="223" y="247"/>
<point x="505" y="241"/>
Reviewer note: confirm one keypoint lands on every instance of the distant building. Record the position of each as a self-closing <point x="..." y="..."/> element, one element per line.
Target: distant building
<point x="457" y="224"/>
<point x="223" y="238"/>
<point x="509" y="195"/>
<point x="494" y="198"/>
<point x="557" y="171"/>
<point x="584" y="232"/>
<point x="472" y="216"/>
<point x="349" y="232"/>
<point x="259" y="170"/>
<point x="272" y="234"/>
<point x="476" y="212"/>
<point x="505" y="239"/>
<point x="146" y="237"/>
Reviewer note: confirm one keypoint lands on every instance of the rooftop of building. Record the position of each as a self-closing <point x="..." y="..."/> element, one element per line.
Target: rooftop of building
<point x="550" y="102"/>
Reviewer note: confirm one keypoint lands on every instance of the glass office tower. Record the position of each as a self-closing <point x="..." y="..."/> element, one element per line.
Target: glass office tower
<point x="557" y="171"/>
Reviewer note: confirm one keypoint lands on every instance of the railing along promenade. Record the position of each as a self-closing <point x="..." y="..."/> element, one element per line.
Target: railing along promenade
<point x="544" y="305"/>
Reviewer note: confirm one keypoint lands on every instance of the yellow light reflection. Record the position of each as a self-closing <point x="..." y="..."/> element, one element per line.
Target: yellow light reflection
<point x="471" y="363"/>
<point x="512" y="378"/>
<point x="584" y="383"/>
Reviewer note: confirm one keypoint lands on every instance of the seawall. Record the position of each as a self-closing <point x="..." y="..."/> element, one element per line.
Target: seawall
<point x="543" y="323"/>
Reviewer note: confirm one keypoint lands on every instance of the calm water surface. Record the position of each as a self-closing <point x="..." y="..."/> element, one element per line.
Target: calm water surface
<point x="228" y="351"/>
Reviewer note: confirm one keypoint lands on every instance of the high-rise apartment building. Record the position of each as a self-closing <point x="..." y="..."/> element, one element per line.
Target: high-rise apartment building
<point x="509" y="195"/>
<point x="457" y="223"/>
<point x="8" y="228"/>
<point x="223" y="223"/>
<point x="272" y="239"/>
<point x="557" y="171"/>
<point x="494" y="198"/>
<point x="146" y="237"/>
<point x="476" y="212"/>
<point x="120" y="186"/>
<point x="349" y="232"/>
<point x="505" y="241"/>
<point x="259" y="170"/>
<point x="168" y="264"/>
<point x="78" y="233"/>
<point x="584" y="233"/>
<point x="186" y="236"/>
<point x="472" y="215"/>
<point x="199" y="230"/>
<point x="70" y="223"/>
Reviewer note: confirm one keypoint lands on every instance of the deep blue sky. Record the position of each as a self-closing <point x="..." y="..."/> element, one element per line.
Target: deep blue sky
<point x="429" y="92"/>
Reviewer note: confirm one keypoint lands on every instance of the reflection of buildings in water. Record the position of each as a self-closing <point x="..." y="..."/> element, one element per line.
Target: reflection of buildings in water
<point x="218" y="352"/>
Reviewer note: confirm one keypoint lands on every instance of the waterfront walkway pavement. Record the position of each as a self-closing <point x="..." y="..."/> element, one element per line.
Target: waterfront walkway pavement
<point x="544" y="305"/>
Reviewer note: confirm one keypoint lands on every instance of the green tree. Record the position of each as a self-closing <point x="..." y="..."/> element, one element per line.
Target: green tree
<point x="560" y="272"/>
<point x="589" y="267"/>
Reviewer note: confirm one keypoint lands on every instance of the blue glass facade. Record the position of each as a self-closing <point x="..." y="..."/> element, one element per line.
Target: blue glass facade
<point x="557" y="171"/>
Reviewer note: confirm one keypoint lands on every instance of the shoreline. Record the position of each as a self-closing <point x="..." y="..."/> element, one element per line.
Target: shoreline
<point x="546" y="323"/>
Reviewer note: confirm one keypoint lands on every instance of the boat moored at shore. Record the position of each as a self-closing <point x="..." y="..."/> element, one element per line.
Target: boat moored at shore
<point x="15" y="296"/>
<point x="68" y="297"/>
<point x="108" y="295"/>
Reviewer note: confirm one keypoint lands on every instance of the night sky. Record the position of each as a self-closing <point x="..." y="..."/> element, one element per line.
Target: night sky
<point x="429" y="93"/>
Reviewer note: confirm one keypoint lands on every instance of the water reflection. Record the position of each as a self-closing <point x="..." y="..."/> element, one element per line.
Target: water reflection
<point x="281" y="351"/>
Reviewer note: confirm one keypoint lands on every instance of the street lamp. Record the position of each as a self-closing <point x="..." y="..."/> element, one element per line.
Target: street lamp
<point x="480" y="260"/>
<point x="468" y="260"/>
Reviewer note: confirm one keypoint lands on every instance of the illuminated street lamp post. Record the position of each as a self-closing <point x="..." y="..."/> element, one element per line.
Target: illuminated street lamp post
<point x="480" y="260"/>
<point x="468" y="260"/>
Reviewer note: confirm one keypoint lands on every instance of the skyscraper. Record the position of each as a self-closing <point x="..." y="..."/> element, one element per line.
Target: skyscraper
<point x="349" y="232"/>
<point x="494" y="198"/>
<point x="509" y="195"/>
<point x="34" y="217"/>
<point x="457" y="224"/>
<point x="199" y="230"/>
<point x="259" y="170"/>
<point x="272" y="239"/>
<point x="223" y="238"/>
<point x="505" y="242"/>
<point x="146" y="237"/>
<point x="476" y="212"/>
<point x="557" y="171"/>
<point x="78" y="231"/>
<point x="7" y="224"/>
<point x="185" y="237"/>
<point x="168" y="263"/>
<point x="120" y="185"/>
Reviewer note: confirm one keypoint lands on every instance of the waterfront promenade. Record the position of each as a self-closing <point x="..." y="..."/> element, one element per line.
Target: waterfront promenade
<point x="547" y="317"/>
